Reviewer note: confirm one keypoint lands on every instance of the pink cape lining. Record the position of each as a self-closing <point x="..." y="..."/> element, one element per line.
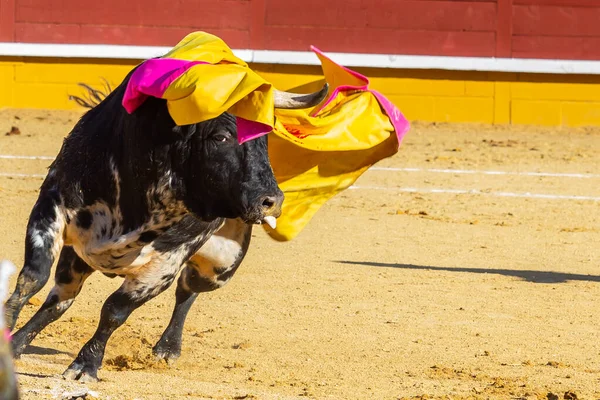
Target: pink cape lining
<point x="400" y="123"/>
<point x="154" y="76"/>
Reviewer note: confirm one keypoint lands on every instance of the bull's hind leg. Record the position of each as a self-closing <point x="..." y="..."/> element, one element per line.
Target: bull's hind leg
<point x="42" y="244"/>
<point x="134" y="292"/>
<point x="209" y="269"/>
<point x="71" y="273"/>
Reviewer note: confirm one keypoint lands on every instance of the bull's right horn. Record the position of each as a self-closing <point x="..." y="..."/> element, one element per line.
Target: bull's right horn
<point x="294" y="101"/>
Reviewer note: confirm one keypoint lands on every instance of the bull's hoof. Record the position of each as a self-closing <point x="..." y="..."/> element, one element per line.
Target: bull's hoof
<point x="11" y="313"/>
<point x="17" y="352"/>
<point x="18" y="345"/>
<point x="81" y="374"/>
<point x="170" y="358"/>
<point x="87" y="378"/>
<point x="165" y="351"/>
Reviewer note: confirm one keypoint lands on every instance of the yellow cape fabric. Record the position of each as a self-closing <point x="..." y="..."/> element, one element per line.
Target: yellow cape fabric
<point x="314" y="157"/>
<point x="205" y="92"/>
<point x="342" y="142"/>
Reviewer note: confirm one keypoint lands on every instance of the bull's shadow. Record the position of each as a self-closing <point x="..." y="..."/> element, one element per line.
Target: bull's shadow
<point x="527" y="275"/>
<point x="45" y="351"/>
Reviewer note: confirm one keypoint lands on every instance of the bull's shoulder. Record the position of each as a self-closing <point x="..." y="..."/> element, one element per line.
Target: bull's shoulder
<point x="189" y="230"/>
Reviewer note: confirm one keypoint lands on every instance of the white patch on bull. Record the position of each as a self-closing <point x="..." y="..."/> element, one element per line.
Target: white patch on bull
<point x="166" y="209"/>
<point x="116" y="212"/>
<point x="116" y="177"/>
<point x="219" y="254"/>
<point x="50" y="236"/>
<point x="150" y="278"/>
<point x="105" y="247"/>
<point x="37" y="239"/>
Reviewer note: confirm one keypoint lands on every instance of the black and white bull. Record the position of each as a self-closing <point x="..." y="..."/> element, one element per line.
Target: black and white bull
<point x="139" y="197"/>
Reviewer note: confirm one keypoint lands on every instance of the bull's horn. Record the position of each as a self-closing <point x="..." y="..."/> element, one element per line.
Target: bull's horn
<point x="293" y="101"/>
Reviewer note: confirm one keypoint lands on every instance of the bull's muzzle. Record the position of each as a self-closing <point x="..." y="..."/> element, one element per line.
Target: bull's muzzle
<point x="270" y="209"/>
<point x="271" y="205"/>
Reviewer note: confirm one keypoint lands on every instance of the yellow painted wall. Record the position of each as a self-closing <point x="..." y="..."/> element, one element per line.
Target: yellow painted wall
<point x="422" y="95"/>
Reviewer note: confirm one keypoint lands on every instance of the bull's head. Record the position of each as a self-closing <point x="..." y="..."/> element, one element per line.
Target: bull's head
<point x="212" y="172"/>
<point x="232" y="180"/>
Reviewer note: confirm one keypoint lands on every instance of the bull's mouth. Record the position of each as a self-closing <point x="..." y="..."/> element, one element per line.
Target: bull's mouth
<point x="269" y="220"/>
<point x="265" y="211"/>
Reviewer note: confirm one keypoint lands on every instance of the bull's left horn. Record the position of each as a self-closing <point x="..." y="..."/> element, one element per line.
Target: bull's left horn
<point x="294" y="101"/>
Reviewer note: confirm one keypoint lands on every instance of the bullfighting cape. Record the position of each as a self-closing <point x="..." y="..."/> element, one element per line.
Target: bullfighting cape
<point x="315" y="153"/>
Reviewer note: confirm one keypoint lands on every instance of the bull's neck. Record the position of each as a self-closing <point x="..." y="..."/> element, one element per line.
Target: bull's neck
<point x="147" y="183"/>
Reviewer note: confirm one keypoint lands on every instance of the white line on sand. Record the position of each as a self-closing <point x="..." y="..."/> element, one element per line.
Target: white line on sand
<point x="16" y="175"/>
<point x="407" y="169"/>
<point x="414" y="190"/>
<point x="484" y="172"/>
<point x="479" y="192"/>
<point x="13" y="157"/>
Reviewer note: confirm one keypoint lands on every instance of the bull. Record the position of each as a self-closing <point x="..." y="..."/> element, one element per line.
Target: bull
<point x="136" y="196"/>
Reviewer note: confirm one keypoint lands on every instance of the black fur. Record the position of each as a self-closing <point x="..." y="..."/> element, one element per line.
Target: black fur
<point x="212" y="173"/>
<point x="84" y="219"/>
<point x="168" y="187"/>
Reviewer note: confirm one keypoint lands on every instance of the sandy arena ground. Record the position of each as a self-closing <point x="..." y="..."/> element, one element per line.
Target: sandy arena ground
<point x="488" y="293"/>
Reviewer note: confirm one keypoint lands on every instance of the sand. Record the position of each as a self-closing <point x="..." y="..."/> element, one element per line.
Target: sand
<point x="387" y="294"/>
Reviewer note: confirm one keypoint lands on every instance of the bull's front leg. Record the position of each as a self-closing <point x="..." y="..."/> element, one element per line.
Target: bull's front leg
<point x="134" y="292"/>
<point x="209" y="269"/>
<point x="43" y="241"/>
<point x="168" y="348"/>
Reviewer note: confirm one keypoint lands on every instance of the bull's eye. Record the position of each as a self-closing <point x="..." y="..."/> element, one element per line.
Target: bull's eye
<point x="221" y="137"/>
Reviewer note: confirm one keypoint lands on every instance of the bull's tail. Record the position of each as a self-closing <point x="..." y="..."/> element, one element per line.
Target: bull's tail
<point x="93" y="96"/>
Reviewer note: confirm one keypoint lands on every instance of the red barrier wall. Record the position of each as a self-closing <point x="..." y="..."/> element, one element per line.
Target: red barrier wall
<point x="567" y="29"/>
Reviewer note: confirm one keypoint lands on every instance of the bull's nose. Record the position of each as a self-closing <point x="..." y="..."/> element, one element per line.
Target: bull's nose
<point x="271" y="205"/>
<point x="268" y="202"/>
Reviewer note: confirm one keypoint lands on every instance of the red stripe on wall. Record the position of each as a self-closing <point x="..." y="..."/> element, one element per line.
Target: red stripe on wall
<point x="257" y="24"/>
<point x="144" y="36"/>
<point x="556" y="21"/>
<point x="381" y="41"/>
<point x="444" y="15"/>
<point x="574" y="48"/>
<point x="123" y="35"/>
<point x="7" y="20"/>
<point x="504" y="28"/>
<point x="395" y="14"/>
<point x="231" y="14"/>
<point x="570" y="3"/>
<point x="47" y="33"/>
<point x="566" y="29"/>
